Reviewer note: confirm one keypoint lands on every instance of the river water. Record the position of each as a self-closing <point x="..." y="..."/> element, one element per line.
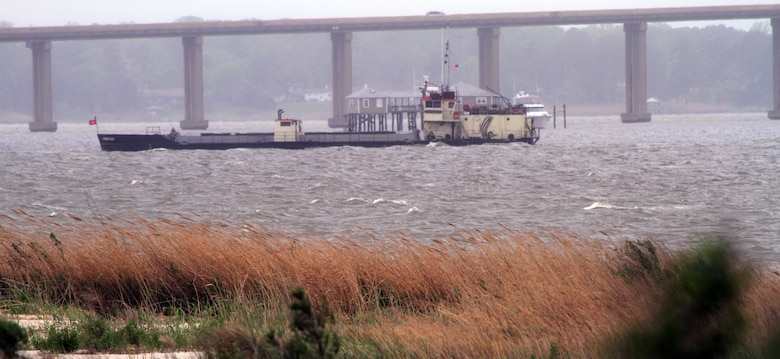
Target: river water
<point x="672" y="179"/>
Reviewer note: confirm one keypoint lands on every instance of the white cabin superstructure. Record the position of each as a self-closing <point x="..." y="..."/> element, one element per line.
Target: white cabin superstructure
<point x="440" y="113"/>
<point x="287" y="129"/>
<point x="444" y="120"/>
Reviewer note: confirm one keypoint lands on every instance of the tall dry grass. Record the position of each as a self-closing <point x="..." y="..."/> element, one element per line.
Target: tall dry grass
<point x="475" y="294"/>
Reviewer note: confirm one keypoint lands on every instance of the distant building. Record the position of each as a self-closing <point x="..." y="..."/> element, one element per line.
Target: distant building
<point x="161" y="99"/>
<point x="367" y="101"/>
<point x="323" y="95"/>
<point x="653" y="105"/>
<point x="475" y="97"/>
<point x="367" y="109"/>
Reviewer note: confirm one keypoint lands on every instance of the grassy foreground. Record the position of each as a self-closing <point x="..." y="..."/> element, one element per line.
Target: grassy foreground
<point x="189" y="284"/>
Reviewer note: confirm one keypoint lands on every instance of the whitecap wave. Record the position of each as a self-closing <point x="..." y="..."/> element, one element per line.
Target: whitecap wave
<point x="136" y="182"/>
<point x="413" y="210"/>
<point x="393" y="201"/>
<point x="600" y="205"/>
<point x="356" y="199"/>
<point x="286" y="178"/>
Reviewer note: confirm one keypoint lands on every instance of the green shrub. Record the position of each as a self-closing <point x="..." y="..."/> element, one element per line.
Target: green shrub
<point x="235" y="341"/>
<point x="699" y="311"/>
<point x="58" y="339"/>
<point x="133" y="334"/>
<point x="308" y="337"/>
<point x="311" y="337"/>
<point x="640" y="260"/>
<point x="95" y="333"/>
<point x="12" y="337"/>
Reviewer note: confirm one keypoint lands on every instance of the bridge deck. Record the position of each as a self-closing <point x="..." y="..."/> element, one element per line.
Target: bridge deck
<point x="245" y="27"/>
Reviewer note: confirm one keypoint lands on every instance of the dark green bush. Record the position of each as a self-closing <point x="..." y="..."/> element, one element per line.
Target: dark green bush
<point x="12" y="337"/>
<point x="95" y="333"/>
<point x="699" y="310"/>
<point x="58" y="340"/>
<point x="311" y="338"/>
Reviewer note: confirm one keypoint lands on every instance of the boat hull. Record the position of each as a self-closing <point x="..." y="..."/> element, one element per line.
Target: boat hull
<point x="482" y="141"/>
<point x="632" y="117"/>
<point x="130" y="142"/>
<point x="635" y="120"/>
<point x="539" y="121"/>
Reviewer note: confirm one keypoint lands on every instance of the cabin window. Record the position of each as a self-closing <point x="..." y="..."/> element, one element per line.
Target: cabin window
<point x="481" y="100"/>
<point x="365" y="103"/>
<point x="285" y="124"/>
<point x="451" y="105"/>
<point x="378" y="102"/>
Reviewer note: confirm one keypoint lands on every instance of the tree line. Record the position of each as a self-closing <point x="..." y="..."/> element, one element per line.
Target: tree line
<point x="573" y="65"/>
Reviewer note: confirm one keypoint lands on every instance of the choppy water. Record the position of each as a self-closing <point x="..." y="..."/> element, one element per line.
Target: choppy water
<point x="671" y="179"/>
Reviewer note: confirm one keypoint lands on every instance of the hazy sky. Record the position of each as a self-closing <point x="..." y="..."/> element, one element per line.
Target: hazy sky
<point x="22" y="13"/>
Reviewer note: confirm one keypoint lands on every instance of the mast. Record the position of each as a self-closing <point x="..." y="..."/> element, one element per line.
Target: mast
<point x="447" y="61"/>
<point x="445" y="54"/>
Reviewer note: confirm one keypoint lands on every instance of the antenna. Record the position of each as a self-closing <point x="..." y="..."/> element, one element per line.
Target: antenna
<point x="414" y="77"/>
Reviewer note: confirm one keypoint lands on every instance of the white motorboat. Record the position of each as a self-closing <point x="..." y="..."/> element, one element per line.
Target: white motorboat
<point x="535" y="110"/>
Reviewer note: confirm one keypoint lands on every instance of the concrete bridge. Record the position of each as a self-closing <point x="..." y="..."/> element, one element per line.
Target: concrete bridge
<point x="39" y="40"/>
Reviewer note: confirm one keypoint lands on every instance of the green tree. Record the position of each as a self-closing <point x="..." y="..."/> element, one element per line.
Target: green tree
<point x="699" y="312"/>
<point x="311" y="336"/>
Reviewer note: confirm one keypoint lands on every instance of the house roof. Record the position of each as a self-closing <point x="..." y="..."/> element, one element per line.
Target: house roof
<point x="463" y="89"/>
<point x="467" y="90"/>
<point x="367" y="92"/>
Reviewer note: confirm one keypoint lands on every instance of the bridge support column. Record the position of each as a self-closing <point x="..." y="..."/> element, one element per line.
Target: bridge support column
<point x="775" y="113"/>
<point x="342" y="76"/>
<point x="636" y="73"/>
<point x="488" y="58"/>
<point x="42" y="108"/>
<point x="193" y="84"/>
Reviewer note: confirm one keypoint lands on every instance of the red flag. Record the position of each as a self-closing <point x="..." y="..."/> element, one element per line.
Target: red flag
<point x="93" y="121"/>
<point x="454" y="67"/>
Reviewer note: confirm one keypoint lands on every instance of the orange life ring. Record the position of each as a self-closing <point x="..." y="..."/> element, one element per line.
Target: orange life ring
<point x="456" y="115"/>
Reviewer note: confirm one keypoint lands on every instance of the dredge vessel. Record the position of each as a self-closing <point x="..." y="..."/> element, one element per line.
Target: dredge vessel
<point x="443" y="120"/>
